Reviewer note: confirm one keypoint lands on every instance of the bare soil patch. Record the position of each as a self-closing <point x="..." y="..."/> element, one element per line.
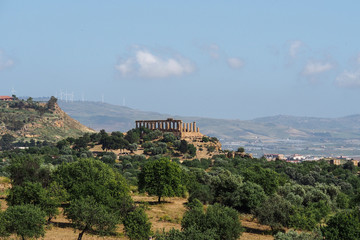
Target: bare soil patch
<point x="163" y="216"/>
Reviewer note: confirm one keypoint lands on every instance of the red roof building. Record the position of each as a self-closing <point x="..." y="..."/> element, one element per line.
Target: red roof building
<point x="6" y="98"/>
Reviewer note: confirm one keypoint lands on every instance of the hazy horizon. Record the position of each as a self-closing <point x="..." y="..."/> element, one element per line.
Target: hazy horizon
<point x="165" y="113"/>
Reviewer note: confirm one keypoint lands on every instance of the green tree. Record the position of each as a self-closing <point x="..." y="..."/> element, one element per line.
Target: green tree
<point x="30" y="100"/>
<point x="35" y="194"/>
<point x="137" y="225"/>
<point x="192" y="150"/>
<point x="93" y="178"/>
<point x="241" y="149"/>
<point x="87" y="214"/>
<point x="3" y="225"/>
<point x="292" y="235"/>
<point x="51" y="103"/>
<point x="224" y="185"/>
<point x="169" y="137"/>
<point x="308" y="217"/>
<point x="132" y="136"/>
<point x="248" y="197"/>
<point x="205" y="139"/>
<point x="27" y="221"/>
<point x="268" y="179"/>
<point x="6" y="141"/>
<point x="132" y="147"/>
<point x="343" y="226"/>
<point x="28" y="168"/>
<point x="183" y="146"/>
<point x="218" y="221"/>
<point x="161" y="178"/>
<point x="275" y="212"/>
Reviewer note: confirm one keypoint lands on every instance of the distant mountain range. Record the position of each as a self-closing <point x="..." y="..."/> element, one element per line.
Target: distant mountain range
<point x="284" y="134"/>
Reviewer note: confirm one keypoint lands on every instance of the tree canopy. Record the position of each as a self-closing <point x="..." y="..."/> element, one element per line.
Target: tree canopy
<point x="99" y="196"/>
<point x="161" y="178"/>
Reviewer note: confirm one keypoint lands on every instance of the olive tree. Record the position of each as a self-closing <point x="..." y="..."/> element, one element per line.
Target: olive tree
<point x="137" y="225"/>
<point x="161" y="178"/>
<point x="99" y="196"/>
<point x="27" y="221"/>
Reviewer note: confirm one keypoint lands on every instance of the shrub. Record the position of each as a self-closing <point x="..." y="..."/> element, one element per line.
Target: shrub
<point x="137" y="225"/>
<point x="343" y="226"/>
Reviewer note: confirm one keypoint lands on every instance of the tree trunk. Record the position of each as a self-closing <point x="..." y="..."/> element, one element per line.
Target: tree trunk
<point x="159" y="199"/>
<point x="82" y="233"/>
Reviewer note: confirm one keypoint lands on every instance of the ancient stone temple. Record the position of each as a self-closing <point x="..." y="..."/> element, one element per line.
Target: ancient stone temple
<point x="178" y="127"/>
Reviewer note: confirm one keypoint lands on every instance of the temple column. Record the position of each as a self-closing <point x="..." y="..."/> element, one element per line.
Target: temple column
<point x="197" y="130"/>
<point x="187" y="127"/>
<point x="194" y="127"/>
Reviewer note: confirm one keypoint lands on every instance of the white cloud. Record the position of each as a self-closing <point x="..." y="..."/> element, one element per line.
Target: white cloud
<point x="5" y="62"/>
<point x="349" y="79"/>
<point x="294" y="48"/>
<point x="148" y="65"/>
<point x="212" y="50"/>
<point x="235" y="63"/>
<point x="316" y="67"/>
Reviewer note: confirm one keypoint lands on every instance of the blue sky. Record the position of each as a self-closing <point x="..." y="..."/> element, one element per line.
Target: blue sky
<point x="221" y="59"/>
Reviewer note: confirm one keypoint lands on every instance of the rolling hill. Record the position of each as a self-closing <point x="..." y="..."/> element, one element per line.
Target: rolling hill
<point x="281" y="134"/>
<point x="27" y="120"/>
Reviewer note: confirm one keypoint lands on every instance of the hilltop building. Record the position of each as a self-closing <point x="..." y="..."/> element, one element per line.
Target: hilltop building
<point x="178" y="127"/>
<point x="6" y="98"/>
